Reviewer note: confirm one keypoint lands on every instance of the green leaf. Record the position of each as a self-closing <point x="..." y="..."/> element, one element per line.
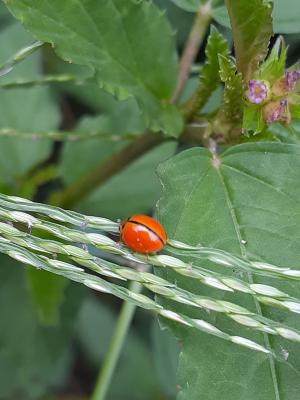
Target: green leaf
<point x="179" y="19"/>
<point x="253" y="119"/>
<point x="4" y="15"/>
<point x="244" y="201"/>
<point x="192" y="5"/>
<point x="33" y="358"/>
<point x="129" y="45"/>
<point x="121" y="116"/>
<point x="47" y="293"/>
<point x="295" y="110"/>
<point x="230" y="114"/>
<point x="286" y="134"/>
<point x="95" y="326"/>
<point x="220" y="15"/>
<point x="251" y="24"/>
<point x="165" y="353"/>
<point x="274" y="66"/>
<point x="24" y="109"/>
<point x="189" y="5"/>
<point x="91" y="152"/>
<point x="134" y="189"/>
<point x="209" y="78"/>
<point x="286" y="16"/>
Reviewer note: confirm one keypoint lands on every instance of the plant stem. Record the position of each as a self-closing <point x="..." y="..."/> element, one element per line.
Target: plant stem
<point x="44" y="80"/>
<point x="8" y="66"/>
<point x="191" y="49"/>
<point x="81" y="188"/>
<point x="64" y="135"/>
<point x="115" y="347"/>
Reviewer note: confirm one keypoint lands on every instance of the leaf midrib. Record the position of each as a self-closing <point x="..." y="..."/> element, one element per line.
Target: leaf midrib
<point x="250" y="278"/>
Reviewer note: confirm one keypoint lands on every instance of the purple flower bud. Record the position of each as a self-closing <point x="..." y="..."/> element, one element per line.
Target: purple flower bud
<point x="258" y="91"/>
<point x="286" y="83"/>
<point x="277" y="111"/>
<point x="291" y="79"/>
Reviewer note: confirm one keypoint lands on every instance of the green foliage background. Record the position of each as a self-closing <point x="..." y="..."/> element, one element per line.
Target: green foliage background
<point x="54" y="334"/>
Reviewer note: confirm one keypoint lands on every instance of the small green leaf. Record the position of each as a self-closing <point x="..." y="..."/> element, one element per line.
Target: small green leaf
<point x="129" y="45"/>
<point x="230" y="114"/>
<point x="251" y="24"/>
<point x="47" y="293"/>
<point x="252" y="119"/>
<point x="209" y="78"/>
<point x="274" y="66"/>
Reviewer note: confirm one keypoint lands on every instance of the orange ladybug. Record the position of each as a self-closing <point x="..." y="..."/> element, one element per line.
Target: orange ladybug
<point x="143" y="234"/>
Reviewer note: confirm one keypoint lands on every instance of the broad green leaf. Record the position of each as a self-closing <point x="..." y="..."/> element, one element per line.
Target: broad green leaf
<point x="129" y="45"/>
<point x="165" y="354"/>
<point x="25" y="109"/>
<point x="121" y="116"/>
<point x="47" y="294"/>
<point x="251" y="24"/>
<point x="28" y="110"/>
<point x="180" y="20"/>
<point x="134" y="377"/>
<point x="136" y="189"/>
<point x="80" y="157"/>
<point x="124" y="116"/>
<point x="33" y="358"/>
<point x="209" y="78"/>
<point x="244" y="201"/>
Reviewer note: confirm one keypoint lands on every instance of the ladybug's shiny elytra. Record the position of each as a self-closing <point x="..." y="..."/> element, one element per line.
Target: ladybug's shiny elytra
<point x="143" y="234"/>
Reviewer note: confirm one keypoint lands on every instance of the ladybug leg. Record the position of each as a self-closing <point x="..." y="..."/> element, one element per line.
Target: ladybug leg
<point x="148" y="255"/>
<point x="119" y="244"/>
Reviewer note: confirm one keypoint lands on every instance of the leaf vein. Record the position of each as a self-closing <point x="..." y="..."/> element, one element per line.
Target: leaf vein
<point x="236" y="226"/>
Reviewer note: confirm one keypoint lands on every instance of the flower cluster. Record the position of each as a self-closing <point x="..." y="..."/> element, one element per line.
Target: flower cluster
<point x="275" y="99"/>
